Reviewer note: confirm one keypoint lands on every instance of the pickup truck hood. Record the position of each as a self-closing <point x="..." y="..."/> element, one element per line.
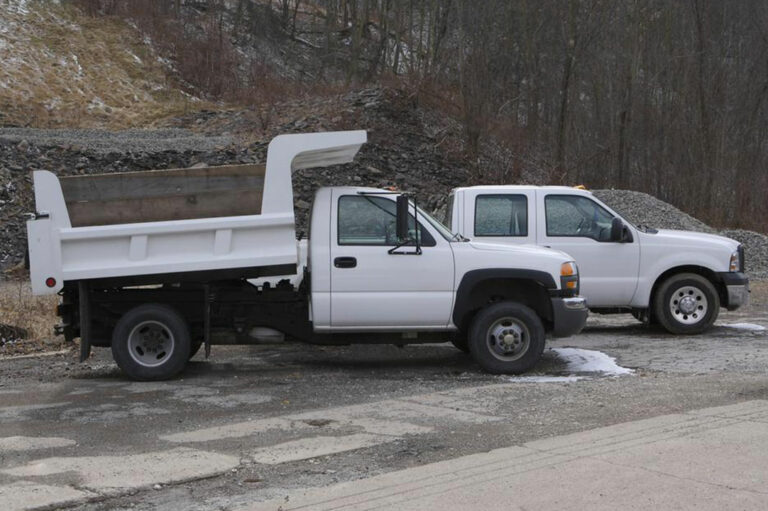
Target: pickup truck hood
<point x="476" y="255"/>
<point x="693" y="239"/>
<point x="528" y="250"/>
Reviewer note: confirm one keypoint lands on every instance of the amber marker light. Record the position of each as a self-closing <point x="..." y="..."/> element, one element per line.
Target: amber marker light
<point x="568" y="269"/>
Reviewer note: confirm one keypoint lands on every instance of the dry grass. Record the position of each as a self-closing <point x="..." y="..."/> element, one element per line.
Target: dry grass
<point x="35" y="314"/>
<point x="64" y="69"/>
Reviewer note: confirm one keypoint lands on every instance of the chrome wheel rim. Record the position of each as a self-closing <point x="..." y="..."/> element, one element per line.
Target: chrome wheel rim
<point x="508" y="339"/>
<point x="688" y="305"/>
<point x="151" y="343"/>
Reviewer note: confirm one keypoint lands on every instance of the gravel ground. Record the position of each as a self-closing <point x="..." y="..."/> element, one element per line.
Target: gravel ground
<point x="101" y="141"/>
<point x="339" y="413"/>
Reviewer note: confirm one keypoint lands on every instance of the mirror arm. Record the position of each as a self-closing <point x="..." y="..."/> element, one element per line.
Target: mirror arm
<point x="417" y="251"/>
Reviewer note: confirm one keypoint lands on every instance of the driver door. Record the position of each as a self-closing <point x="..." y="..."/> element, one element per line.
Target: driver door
<point x="372" y="289"/>
<point x="580" y="227"/>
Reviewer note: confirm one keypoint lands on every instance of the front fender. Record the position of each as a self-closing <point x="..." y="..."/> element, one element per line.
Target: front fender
<point x="651" y="275"/>
<point x="463" y="304"/>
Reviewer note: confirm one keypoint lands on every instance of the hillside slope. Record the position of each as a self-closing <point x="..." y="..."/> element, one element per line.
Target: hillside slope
<point x="60" y="68"/>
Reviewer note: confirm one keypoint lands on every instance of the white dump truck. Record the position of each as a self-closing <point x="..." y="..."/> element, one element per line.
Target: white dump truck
<point x="153" y="264"/>
<point x="676" y="278"/>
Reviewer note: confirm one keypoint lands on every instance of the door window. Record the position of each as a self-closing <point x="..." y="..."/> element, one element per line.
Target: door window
<point x="575" y="215"/>
<point x="501" y="215"/>
<point x="370" y="220"/>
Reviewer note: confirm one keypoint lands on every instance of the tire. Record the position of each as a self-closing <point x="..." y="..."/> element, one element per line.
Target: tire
<point x="686" y="303"/>
<point x="461" y="343"/>
<point x="520" y="347"/>
<point x="151" y="342"/>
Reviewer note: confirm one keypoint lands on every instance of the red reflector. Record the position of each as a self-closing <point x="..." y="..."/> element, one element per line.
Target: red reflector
<point x="50" y="282"/>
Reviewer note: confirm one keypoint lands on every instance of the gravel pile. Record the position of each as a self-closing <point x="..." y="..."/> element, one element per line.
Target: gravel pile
<point x="756" y="248"/>
<point x="643" y="209"/>
<point x="101" y="141"/>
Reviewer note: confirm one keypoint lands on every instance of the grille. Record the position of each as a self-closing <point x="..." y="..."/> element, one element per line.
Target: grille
<point x="742" y="261"/>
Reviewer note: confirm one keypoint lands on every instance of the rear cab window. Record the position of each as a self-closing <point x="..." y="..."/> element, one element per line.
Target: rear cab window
<point x="501" y="215"/>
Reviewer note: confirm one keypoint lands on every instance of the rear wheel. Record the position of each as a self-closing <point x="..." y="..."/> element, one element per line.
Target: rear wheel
<point x="686" y="303"/>
<point x="507" y="338"/>
<point x="151" y="342"/>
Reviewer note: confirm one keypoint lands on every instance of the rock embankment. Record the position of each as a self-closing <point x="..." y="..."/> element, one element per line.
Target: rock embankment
<point x="407" y="149"/>
<point x="403" y="152"/>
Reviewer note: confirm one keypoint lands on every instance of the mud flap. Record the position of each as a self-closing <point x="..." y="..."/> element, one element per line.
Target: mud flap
<point x="85" y="321"/>
<point x="207" y="320"/>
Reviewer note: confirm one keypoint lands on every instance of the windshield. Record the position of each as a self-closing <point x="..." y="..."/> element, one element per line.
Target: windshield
<point x="439" y="227"/>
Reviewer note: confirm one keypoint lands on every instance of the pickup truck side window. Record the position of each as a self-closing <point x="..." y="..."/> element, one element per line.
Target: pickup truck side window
<point x="370" y="220"/>
<point x="577" y="216"/>
<point x="501" y="215"/>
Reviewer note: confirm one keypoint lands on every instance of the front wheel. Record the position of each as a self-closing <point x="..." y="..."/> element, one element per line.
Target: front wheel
<point x="686" y="303"/>
<point x="151" y="342"/>
<point x="507" y="338"/>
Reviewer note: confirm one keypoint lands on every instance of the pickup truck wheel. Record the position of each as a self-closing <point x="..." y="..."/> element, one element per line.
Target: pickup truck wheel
<point x="151" y="342"/>
<point x="506" y="338"/>
<point x="686" y="303"/>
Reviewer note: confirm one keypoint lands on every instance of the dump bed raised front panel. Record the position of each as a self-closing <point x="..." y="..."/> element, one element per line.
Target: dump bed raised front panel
<point x="160" y="195"/>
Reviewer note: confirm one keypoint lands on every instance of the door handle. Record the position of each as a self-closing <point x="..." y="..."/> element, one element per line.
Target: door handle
<point x="345" y="262"/>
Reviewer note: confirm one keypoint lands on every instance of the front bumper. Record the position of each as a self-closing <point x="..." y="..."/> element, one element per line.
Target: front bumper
<point x="569" y="315"/>
<point x="737" y="289"/>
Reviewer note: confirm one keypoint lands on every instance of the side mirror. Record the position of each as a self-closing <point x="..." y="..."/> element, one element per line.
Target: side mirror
<point x="401" y="222"/>
<point x="617" y="230"/>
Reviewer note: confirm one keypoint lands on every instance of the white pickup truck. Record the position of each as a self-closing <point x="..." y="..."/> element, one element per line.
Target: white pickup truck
<point x="152" y="263"/>
<point x="676" y="278"/>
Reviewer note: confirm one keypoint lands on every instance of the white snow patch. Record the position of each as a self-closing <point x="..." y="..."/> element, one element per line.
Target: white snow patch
<point x="752" y="327"/>
<point x="590" y="361"/>
<point x="77" y="65"/>
<point x="545" y="379"/>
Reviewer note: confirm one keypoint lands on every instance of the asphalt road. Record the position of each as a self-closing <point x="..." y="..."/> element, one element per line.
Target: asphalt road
<point x="264" y="422"/>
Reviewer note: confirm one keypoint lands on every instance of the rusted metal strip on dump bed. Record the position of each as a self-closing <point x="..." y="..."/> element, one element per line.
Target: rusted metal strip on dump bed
<point x="160" y="195"/>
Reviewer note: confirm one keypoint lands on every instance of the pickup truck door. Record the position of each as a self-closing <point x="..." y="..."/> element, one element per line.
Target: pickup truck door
<point x="505" y="217"/>
<point x="373" y="289"/>
<point x="578" y="225"/>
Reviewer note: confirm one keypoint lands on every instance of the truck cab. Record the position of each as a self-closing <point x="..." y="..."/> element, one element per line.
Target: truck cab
<point x="676" y="278"/>
<point x="154" y="276"/>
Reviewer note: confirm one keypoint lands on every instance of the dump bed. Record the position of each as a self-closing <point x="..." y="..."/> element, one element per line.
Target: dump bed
<point x="152" y="226"/>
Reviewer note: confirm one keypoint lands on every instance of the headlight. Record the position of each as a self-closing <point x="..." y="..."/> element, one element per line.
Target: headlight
<point x="735" y="264"/>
